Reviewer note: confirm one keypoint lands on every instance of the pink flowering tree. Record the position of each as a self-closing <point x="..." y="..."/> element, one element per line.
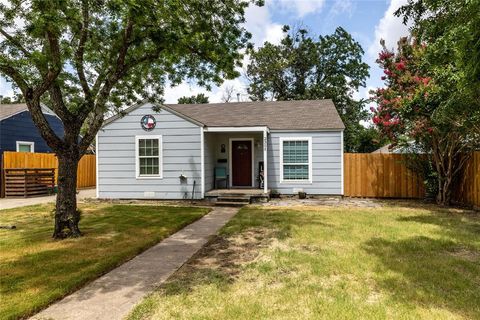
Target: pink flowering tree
<point x="418" y="112"/>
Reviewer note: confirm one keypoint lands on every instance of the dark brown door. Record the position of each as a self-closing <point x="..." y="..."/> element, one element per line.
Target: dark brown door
<point x="242" y="163"/>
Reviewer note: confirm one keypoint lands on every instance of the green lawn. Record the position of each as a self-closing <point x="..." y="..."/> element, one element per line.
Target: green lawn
<point x="36" y="270"/>
<point x="397" y="262"/>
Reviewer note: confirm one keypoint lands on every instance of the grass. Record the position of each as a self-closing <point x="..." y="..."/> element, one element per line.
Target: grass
<point x="399" y="261"/>
<point x="36" y="270"/>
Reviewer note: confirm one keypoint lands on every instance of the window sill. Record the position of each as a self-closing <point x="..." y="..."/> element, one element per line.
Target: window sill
<point x="148" y="177"/>
<point x="296" y="181"/>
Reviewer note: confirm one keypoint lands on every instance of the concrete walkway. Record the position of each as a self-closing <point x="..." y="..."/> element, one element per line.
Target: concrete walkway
<point x="8" y="203"/>
<point x="115" y="294"/>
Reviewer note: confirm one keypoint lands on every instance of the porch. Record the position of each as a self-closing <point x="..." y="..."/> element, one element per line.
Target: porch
<point x="237" y="197"/>
<point x="235" y="162"/>
<point x="233" y="192"/>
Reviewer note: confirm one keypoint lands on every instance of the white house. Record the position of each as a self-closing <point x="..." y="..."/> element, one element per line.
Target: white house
<point x="174" y="151"/>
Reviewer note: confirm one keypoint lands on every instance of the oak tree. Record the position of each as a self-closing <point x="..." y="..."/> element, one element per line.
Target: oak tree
<point x="82" y="58"/>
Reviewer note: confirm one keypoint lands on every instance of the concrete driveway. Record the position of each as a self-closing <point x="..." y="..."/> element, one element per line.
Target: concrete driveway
<point x="8" y="203"/>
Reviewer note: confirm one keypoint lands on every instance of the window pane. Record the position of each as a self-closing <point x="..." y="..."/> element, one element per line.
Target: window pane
<point x="148" y="147"/>
<point x="149" y="165"/>
<point x="141" y="147"/>
<point x="295" y="151"/>
<point x="155" y="149"/>
<point x="143" y="166"/>
<point x="155" y="166"/>
<point x="24" y="148"/>
<point x="295" y="172"/>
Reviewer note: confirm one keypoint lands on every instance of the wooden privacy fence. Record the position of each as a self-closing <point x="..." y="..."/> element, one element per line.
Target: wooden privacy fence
<point x="468" y="190"/>
<point x="379" y="175"/>
<point x="86" y="173"/>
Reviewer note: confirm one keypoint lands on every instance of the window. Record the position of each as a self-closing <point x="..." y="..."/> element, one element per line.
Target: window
<point x="25" y="146"/>
<point x="295" y="159"/>
<point x="148" y="156"/>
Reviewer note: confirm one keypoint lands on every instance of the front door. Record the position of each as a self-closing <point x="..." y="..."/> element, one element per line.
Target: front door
<point x="242" y="163"/>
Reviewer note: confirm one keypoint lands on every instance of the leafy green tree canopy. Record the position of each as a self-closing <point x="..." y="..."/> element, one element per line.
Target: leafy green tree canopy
<point x="304" y="68"/>
<point x="84" y="57"/>
<point x="425" y="102"/>
<point x="451" y="28"/>
<point x="199" y="98"/>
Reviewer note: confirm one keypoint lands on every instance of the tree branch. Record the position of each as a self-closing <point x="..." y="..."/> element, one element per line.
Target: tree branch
<point x="16" y="76"/>
<point x="94" y="125"/>
<point x="51" y="74"/>
<point x="15" y="43"/>
<point x="58" y="105"/>
<point x="79" y="54"/>
<point x="38" y="117"/>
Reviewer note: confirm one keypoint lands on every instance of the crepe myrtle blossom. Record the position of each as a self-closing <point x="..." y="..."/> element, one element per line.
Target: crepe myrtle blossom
<point x="404" y="97"/>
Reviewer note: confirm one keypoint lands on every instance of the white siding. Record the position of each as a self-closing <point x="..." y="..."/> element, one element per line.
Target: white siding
<point x="326" y="163"/>
<point x="181" y="154"/>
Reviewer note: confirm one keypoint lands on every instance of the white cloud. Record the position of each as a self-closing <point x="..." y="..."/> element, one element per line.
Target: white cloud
<point x="185" y="89"/>
<point x="342" y="7"/>
<point x="259" y="23"/>
<point x="274" y="33"/>
<point x="390" y="28"/>
<point x="363" y="93"/>
<point x="300" y="7"/>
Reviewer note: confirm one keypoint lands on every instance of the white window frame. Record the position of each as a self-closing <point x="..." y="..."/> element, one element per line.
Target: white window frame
<point x="160" y="158"/>
<point x="310" y="169"/>
<point x="30" y="143"/>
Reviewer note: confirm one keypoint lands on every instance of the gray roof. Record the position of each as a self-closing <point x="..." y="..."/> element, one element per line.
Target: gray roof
<point x="8" y="110"/>
<point x="277" y="115"/>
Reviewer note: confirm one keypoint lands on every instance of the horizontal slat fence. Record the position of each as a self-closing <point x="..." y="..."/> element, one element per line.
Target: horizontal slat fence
<point x="468" y="190"/>
<point x="29" y="182"/>
<point x="380" y="176"/>
<point x="86" y="173"/>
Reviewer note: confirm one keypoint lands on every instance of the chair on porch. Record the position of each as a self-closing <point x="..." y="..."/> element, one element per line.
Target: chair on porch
<point x="220" y="175"/>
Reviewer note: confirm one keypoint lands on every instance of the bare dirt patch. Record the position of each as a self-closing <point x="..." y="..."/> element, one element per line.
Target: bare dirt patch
<point x="222" y="258"/>
<point x="466" y="254"/>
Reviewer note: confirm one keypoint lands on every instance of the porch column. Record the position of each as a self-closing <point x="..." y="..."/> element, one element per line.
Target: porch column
<point x="265" y="161"/>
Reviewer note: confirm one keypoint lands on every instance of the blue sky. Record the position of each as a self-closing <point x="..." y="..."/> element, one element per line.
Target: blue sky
<point x="367" y="20"/>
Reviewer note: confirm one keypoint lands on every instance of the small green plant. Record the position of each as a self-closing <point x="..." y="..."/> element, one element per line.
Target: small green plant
<point x="274" y="193"/>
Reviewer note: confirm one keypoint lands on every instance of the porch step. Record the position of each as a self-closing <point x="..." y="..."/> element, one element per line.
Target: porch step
<point x="230" y="204"/>
<point x="231" y="198"/>
<point x="232" y="201"/>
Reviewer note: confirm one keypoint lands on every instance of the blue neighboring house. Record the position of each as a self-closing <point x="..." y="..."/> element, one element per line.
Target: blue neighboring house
<point x="19" y="133"/>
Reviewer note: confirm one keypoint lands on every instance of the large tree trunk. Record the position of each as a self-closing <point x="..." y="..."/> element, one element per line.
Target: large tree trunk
<point x="66" y="214"/>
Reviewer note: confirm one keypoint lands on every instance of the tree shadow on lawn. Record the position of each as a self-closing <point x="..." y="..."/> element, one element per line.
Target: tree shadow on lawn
<point x="48" y="270"/>
<point x="436" y="271"/>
